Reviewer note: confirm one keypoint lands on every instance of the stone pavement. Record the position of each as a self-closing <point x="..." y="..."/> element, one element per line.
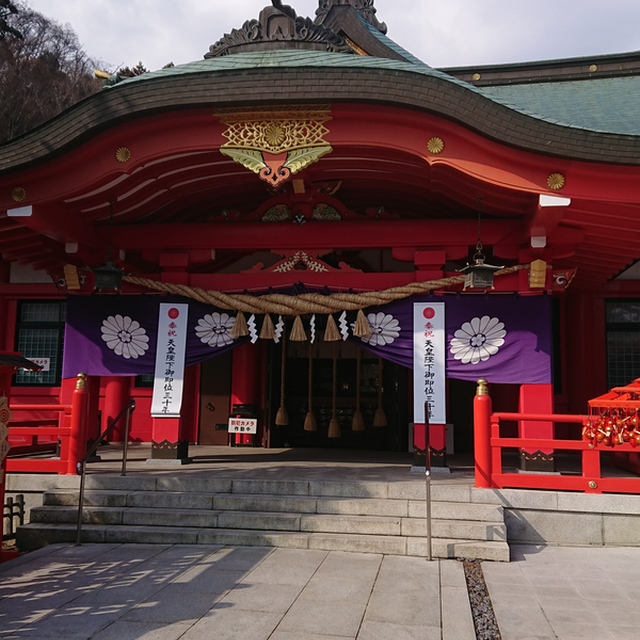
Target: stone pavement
<point x="163" y="592"/>
<point x="570" y="593"/>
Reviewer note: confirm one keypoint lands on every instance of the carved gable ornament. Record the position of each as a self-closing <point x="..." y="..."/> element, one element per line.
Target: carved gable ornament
<point x="278" y="27"/>
<point x="276" y="144"/>
<point x="364" y="7"/>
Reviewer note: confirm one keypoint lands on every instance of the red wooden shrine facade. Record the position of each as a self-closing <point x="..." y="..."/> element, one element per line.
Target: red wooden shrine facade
<point x="351" y="167"/>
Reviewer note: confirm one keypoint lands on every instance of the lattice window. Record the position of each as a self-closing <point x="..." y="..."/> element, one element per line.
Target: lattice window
<point x="623" y="341"/>
<point x="40" y="337"/>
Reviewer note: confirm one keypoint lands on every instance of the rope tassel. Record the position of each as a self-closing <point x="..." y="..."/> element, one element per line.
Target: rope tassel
<point x="297" y="332"/>
<point x="334" y="425"/>
<point x="362" y="327"/>
<point x="239" y="329"/>
<point x="268" y="331"/>
<point x="331" y="333"/>
<point x="282" y="417"/>
<point x="358" y="419"/>
<point x="310" y="419"/>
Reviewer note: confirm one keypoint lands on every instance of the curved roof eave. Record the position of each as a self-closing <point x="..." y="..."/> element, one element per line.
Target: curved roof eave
<point x="286" y="77"/>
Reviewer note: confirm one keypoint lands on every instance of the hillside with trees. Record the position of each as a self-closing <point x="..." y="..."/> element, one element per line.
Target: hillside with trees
<point x="43" y="69"/>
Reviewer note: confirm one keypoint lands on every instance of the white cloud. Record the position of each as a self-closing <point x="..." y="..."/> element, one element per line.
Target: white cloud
<point x="458" y="32"/>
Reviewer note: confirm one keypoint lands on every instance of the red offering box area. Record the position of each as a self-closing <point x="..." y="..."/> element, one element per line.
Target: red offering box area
<point x="614" y="418"/>
<point x="614" y="421"/>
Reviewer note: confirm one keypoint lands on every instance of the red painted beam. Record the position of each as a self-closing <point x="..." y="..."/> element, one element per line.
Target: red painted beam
<point x="285" y="236"/>
<point x="58" y="225"/>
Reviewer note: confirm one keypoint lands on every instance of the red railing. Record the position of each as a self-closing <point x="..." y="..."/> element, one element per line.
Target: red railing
<point x="64" y="423"/>
<point x="490" y="446"/>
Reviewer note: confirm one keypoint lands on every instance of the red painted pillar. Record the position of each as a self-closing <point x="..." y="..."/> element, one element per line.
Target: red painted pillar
<point x="245" y="377"/>
<point x="482" y="408"/>
<point x="5" y="416"/>
<point x="79" y="411"/>
<point x="117" y="393"/>
<point x="536" y="398"/>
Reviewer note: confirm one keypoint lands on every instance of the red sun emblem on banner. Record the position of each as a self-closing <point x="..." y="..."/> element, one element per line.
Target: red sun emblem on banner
<point x="429" y="313"/>
<point x="173" y="313"/>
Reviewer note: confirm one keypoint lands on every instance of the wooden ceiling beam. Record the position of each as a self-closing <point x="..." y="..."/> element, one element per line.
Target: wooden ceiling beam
<point x="313" y="234"/>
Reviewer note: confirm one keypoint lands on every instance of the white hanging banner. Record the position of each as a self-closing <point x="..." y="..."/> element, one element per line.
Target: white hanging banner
<point x="170" y="356"/>
<point x="429" y="358"/>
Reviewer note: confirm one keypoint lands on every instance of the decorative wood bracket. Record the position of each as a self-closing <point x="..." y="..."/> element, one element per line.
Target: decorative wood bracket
<point x="276" y="144"/>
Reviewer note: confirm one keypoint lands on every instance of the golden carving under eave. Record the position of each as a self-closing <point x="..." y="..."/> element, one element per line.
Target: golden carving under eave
<point x="435" y="145"/>
<point x="248" y="158"/>
<point x="323" y="211"/>
<point x="276" y="144"/>
<point x="358" y="50"/>
<point x="556" y="181"/>
<point x="276" y="131"/>
<point x="277" y="213"/>
<point x="298" y="259"/>
<point x="298" y="159"/>
<point x="123" y="155"/>
<point x="18" y="194"/>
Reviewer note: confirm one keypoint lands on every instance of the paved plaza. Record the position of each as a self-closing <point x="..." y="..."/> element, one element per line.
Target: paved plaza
<point x="166" y="592"/>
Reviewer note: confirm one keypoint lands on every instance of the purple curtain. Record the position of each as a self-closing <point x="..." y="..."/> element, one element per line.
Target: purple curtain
<point x="503" y="337"/>
<point x="117" y="335"/>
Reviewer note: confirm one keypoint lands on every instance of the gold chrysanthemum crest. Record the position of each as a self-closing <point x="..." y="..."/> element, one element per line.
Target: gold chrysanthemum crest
<point x="258" y="138"/>
<point x="435" y="145"/>
<point x="275" y="130"/>
<point x="18" y="194"/>
<point x="123" y="155"/>
<point x="555" y="181"/>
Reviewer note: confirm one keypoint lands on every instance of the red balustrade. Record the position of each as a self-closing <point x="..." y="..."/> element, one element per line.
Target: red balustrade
<point x="64" y="423"/>
<point x="587" y="445"/>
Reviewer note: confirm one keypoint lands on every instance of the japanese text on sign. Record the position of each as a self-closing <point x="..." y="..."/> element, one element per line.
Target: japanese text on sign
<point x="170" y="357"/>
<point x="243" y="425"/>
<point x="429" y="357"/>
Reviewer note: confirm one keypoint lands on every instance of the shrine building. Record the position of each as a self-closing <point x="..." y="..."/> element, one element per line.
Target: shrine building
<point x="273" y="232"/>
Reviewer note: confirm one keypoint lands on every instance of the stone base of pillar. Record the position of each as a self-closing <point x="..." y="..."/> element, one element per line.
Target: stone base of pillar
<point x="438" y="459"/>
<point x="170" y="451"/>
<point x="537" y="461"/>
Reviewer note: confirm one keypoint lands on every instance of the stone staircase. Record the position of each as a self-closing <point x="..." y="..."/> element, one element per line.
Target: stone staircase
<point x="373" y="517"/>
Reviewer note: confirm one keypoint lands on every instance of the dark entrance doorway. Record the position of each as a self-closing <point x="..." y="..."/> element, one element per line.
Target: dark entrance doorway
<point x="317" y="360"/>
<point x="215" y="400"/>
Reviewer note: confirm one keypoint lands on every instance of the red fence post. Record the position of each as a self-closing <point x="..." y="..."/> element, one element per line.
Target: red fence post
<point x="78" y="437"/>
<point x="482" y="434"/>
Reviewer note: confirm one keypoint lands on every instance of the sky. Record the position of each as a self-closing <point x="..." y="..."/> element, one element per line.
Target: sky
<point x="442" y="33"/>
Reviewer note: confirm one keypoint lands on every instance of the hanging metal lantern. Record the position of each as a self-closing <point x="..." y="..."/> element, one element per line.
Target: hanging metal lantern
<point x="108" y="277"/>
<point x="479" y="275"/>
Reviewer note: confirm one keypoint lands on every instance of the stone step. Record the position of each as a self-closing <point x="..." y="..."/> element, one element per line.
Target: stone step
<point x="36" y="535"/>
<point x="198" y="484"/>
<point x="326" y="523"/>
<point x="387" y="518"/>
<point x="281" y="503"/>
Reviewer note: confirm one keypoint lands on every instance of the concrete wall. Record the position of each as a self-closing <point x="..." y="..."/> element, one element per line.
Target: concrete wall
<point x="567" y="518"/>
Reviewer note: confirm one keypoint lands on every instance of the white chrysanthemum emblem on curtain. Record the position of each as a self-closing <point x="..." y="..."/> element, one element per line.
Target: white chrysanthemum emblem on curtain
<point x="215" y="329"/>
<point x="384" y="329"/>
<point x="477" y="340"/>
<point x="125" y="336"/>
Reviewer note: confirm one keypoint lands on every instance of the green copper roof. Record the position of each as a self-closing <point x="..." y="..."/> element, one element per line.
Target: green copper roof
<point x="609" y="105"/>
<point x="292" y="59"/>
